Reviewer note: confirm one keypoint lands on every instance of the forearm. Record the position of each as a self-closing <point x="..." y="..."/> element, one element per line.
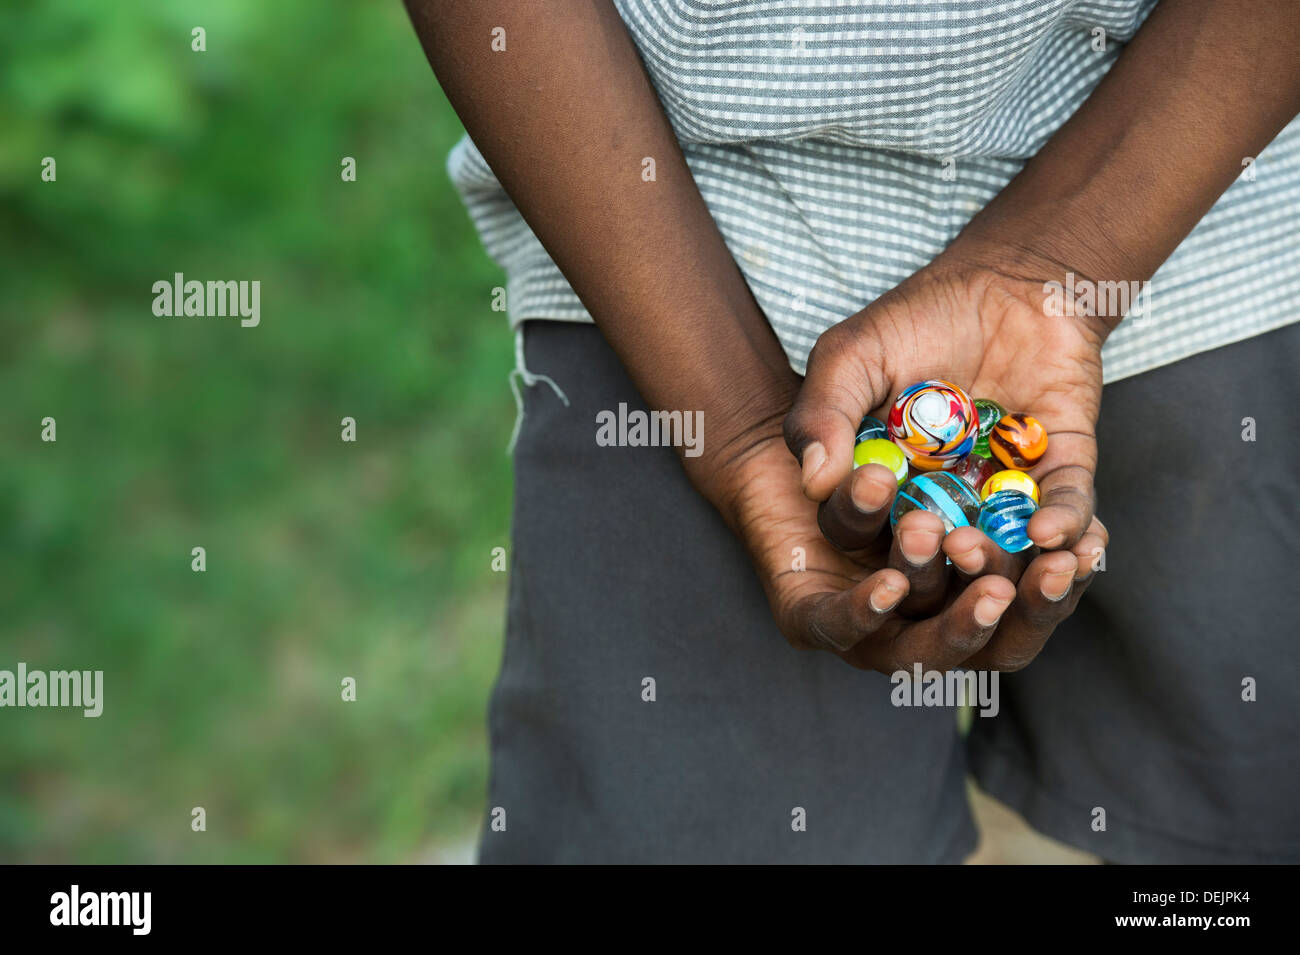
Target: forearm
<point x="565" y="117"/>
<point x="1203" y="85"/>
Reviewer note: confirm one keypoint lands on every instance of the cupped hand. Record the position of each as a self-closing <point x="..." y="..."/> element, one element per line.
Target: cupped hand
<point x="874" y="607"/>
<point x="988" y="332"/>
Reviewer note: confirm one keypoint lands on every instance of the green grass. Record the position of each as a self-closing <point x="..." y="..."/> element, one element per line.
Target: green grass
<point x="325" y="559"/>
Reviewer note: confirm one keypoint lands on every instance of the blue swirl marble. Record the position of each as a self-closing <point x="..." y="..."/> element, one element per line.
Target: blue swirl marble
<point x="1004" y="517"/>
<point x="940" y="493"/>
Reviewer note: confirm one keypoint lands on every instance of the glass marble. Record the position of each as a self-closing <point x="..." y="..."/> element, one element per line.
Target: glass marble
<point x="1004" y="517"/>
<point x="941" y="493"/>
<point x="1010" y="481"/>
<point x="975" y="470"/>
<point x="935" y="424"/>
<point x="1018" y="441"/>
<point x="870" y="429"/>
<point x="990" y="413"/>
<point x="884" y="452"/>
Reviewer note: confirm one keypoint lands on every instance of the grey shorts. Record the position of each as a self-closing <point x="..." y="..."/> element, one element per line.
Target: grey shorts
<point x="621" y="573"/>
<point x="1136" y="704"/>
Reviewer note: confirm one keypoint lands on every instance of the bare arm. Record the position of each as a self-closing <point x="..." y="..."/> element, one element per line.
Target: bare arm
<point x="1203" y="85"/>
<point x="565" y="117"/>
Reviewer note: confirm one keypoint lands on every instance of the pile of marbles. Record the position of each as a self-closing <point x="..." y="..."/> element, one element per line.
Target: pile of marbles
<point x="966" y="459"/>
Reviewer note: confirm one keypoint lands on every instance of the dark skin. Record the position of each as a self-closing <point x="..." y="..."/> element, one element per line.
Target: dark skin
<point x="565" y="117"/>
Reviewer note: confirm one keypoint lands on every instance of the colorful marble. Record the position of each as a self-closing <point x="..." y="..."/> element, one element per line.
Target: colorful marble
<point x="870" y="429"/>
<point x="884" y="452"/>
<point x="941" y="493"/>
<point x="975" y="470"/>
<point x="990" y="413"/>
<point x="935" y="424"/>
<point x="1010" y="481"/>
<point x="1004" y="517"/>
<point x="1018" y="441"/>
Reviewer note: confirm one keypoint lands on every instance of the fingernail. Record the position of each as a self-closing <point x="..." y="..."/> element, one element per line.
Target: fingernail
<point x="870" y="496"/>
<point x="1056" y="586"/>
<point x="814" y="456"/>
<point x="1054" y="543"/>
<point x="989" y="610"/>
<point x="886" y="596"/>
<point x="969" y="561"/>
<point x="919" y="547"/>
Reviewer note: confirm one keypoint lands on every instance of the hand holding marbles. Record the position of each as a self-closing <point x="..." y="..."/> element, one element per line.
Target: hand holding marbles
<point x="1010" y="480"/>
<point x="1019" y="441"/>
<point x="935" y="424"/>
<point x="949" y="497"/>
<point x="1004" y="517"/>
<point x="884" y="452"/>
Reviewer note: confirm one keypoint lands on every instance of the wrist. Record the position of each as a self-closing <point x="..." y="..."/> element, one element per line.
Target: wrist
<point x="738" y="440"/>
<point x="752" y="491"/>
<point x="1057" y="279"/>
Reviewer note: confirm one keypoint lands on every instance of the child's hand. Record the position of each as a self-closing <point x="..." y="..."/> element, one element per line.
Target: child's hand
<point x="988" y="333"/>
<point x="872" y="605"/>
<point x="984" y="332"/>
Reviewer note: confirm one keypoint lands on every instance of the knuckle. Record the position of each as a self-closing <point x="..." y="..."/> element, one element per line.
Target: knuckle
<point x="794" y="431"/>
<point x="822" y="636"/>
<point x="839" y="525"/>
<point x="1069" y="497"/>
<point x="894" y="658"/>
<point x="1041" y="618"/>
<point x="830" y="345"/>
<point x="1070" y="485"/>
<point x="967" y="643"/>
<point x="835" y="349"/>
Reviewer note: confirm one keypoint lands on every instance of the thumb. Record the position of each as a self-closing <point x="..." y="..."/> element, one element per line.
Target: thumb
<point x="845" y="380"/>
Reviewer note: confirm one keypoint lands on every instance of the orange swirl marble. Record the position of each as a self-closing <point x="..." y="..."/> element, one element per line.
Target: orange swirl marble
<point x="1019" y="441"/>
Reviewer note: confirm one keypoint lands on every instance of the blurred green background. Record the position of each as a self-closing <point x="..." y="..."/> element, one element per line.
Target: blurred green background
<point x="324" y="559"/>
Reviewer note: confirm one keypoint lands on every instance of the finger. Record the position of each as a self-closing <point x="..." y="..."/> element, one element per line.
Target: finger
<point x="917" y="553"/>
<point x="853" y="516"/>
<point x="944" y="641"/>
<point x="1046" y="595"/>
<point x="1091" y="551"/>
<point x="840" y="620"/>
<point x="844" y="381"/>
<point x="1067" y="497"/>
<point x="973" y="555"/>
